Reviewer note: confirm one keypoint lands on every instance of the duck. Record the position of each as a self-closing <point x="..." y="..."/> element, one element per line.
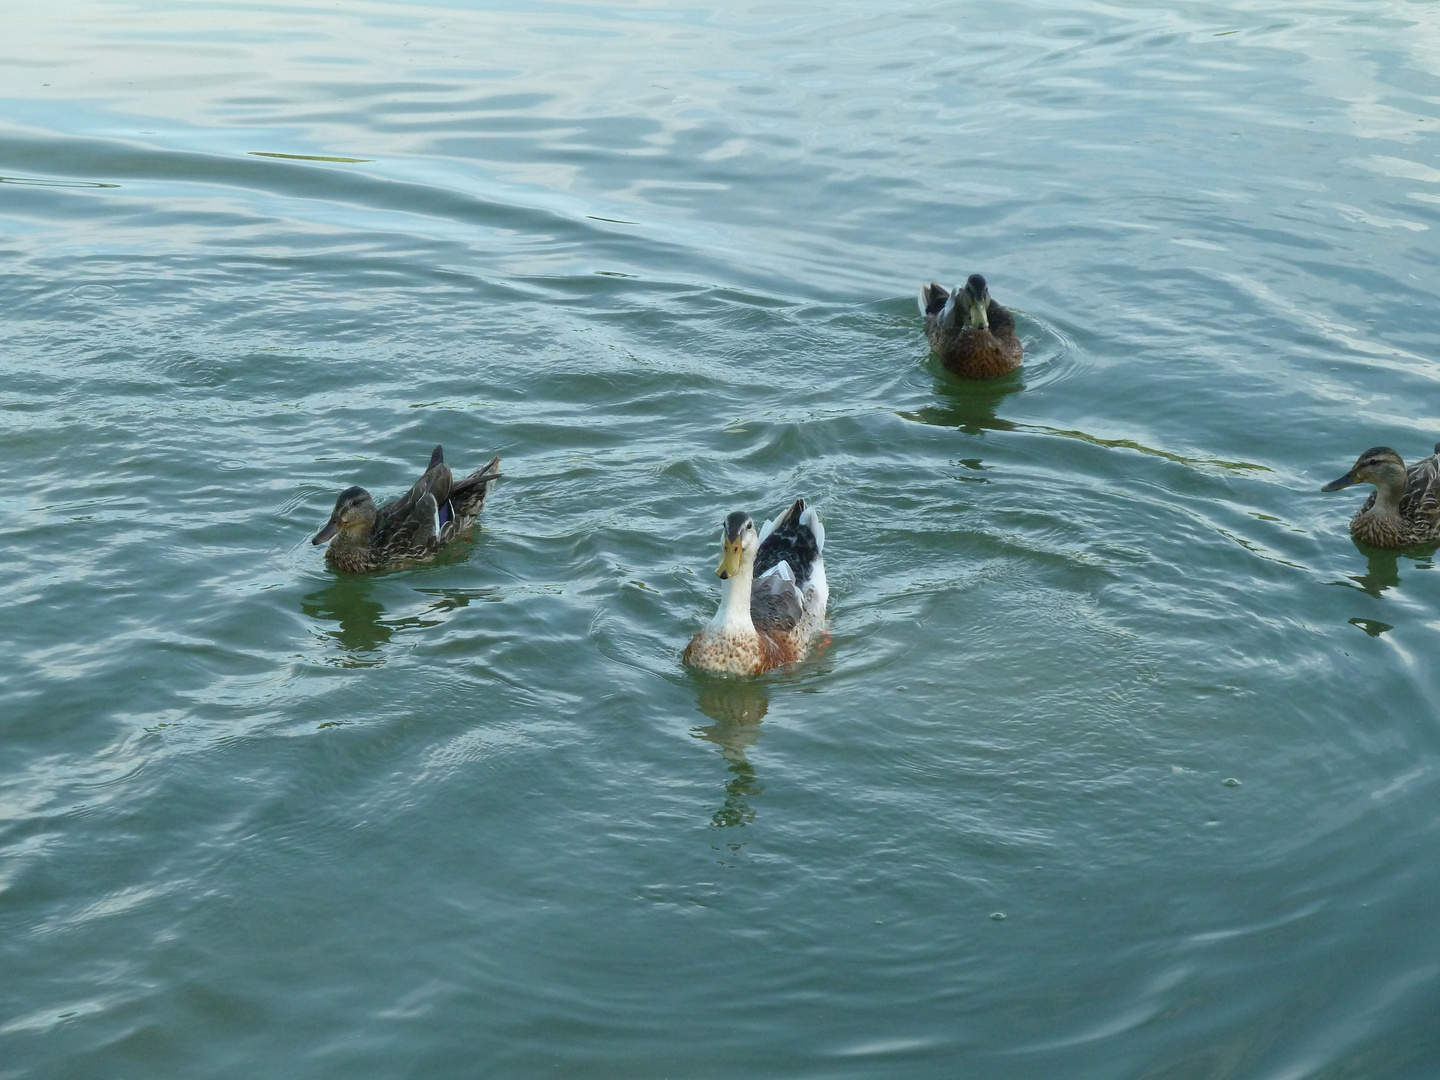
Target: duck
<point x="773" y="596"/>
<point x="1404" y="508"/>
<point x="410" y="529"/>
<point x="973" y="336"/>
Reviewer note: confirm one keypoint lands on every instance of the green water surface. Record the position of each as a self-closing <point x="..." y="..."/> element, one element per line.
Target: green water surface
<point x="1119" y="759"/>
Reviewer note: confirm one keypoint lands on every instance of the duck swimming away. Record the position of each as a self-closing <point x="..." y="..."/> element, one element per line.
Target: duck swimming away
<point x="973" y="336"/>
<point x="410" y="529"/>
<point x="1404" y="508"/>
<point x="773" y="596"/>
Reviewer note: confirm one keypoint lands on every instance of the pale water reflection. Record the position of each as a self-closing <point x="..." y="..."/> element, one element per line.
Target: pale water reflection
<point x="737" y="706"/>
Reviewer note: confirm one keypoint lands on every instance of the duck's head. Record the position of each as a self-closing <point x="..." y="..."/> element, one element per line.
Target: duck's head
<point x="738" y="545"/>
<point x="973" y="300"/>
<point x="1379" y="465"/>
<point x="354" y="514"/>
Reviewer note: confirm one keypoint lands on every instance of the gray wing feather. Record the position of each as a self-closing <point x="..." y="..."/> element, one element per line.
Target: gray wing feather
<point x="775" y="601"/>
<point x="414" y="527"/>
<point x="1421" y="501"/>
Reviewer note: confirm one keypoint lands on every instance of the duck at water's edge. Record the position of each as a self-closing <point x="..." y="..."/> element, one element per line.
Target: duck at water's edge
<point x="409" y="529"/>
<point x="772" y="600"/>
<point x="971" y="334"/>
<point x="1404" y="508"/>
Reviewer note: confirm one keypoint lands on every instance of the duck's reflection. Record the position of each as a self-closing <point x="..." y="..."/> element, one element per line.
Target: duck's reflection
<point x="444" y="602"/>
<point x="360" y="630"/>
<point x="969" y="404"/>
<point x="1382" y="571"/>
<point x="1373" y="627"/>
<point x="737" y="706"/>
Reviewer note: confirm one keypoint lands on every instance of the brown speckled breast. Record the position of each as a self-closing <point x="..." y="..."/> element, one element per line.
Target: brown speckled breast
<point x="737" y="655"/>
<point x="976" y="353"/>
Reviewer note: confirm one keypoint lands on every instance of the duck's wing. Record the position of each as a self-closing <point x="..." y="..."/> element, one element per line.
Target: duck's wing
<point x="795" y="537"/>
<point x="776" y="603"/>
<point x="435" y="480"/>
<point x="397" y="517"/>
<point x="1421" y="501"/>
<point x="1000" y="319"/>
<point x="411" y="534"/>
<point x="441" y="482"/>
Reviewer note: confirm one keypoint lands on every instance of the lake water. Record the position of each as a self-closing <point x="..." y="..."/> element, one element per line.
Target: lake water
<point x="1120" y="759"/>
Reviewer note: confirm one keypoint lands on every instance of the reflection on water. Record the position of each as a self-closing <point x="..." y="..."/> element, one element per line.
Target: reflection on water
<point x="363" y="630"/>
<point x="1373" y="627"/>
<point x="445" y="601"/>
<point x="969" y="404"/>
<point x="737" y="707"/>
<point x="1382" y="572"/>
<point x="347" y="602"/>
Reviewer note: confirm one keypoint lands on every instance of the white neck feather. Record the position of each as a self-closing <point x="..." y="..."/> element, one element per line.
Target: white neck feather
<point x="734" y="614"/>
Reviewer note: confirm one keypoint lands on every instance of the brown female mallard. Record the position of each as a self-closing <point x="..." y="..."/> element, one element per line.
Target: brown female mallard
<point x="971" y="334"/>
<point x="773" y="598"/>
<point x="409" y="529"/>
<point x="1404" y="508"/>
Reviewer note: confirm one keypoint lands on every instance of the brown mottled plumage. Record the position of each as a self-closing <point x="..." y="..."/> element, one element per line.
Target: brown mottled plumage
<point x="1404" y="508"/>
<point x="773" y="598"/>
<point x="971" y="334"/>
<point x="740" y="654"/>
<point x="409" y="529"/>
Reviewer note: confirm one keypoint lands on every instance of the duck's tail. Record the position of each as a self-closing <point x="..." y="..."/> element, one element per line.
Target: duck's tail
<point x="468" y="495"/>
<point x="799" y="516"/>
<point x="795" y="536"/>
<point x="933" y="298"/>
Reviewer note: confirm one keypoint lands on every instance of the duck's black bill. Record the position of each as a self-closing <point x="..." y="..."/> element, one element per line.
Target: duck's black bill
<point x="326" y="533"/>
<point x="1344" y="482"/>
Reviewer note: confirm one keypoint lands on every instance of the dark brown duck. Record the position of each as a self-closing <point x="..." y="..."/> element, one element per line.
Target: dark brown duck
<point x="1404" y="508"/>
<point x="410" y="529"/>
<point x="973" y="336"/>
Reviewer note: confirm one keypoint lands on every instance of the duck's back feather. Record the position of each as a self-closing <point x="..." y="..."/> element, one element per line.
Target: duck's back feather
<point x="789" y="595"/>
<point x="1421" y="501"/>
<point x="795" y="537"/>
